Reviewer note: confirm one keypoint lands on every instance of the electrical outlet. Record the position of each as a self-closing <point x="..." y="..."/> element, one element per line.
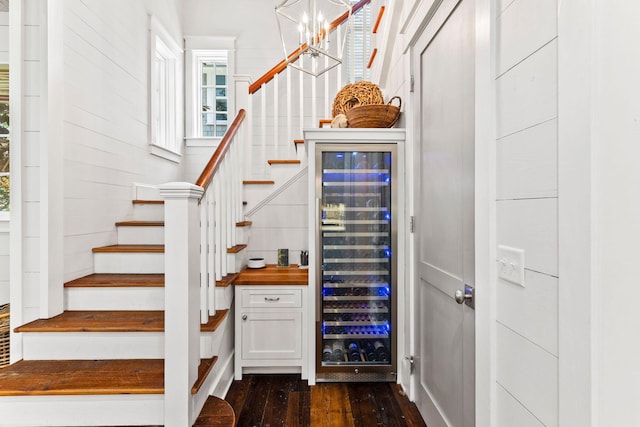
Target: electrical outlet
<point x="511" y="264"/>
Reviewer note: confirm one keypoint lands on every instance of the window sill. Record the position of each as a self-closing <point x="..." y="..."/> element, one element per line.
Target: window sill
<point x="156" y="150"/>
<point x="203" y="141"/>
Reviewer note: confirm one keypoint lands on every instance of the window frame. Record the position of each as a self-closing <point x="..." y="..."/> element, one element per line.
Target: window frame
<point x="164" y="84"/>
<point x="199" y="49"/>
<point x="215" y="57"/>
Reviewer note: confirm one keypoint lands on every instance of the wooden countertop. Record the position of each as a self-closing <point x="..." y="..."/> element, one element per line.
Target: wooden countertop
<point x="273" y="275"/>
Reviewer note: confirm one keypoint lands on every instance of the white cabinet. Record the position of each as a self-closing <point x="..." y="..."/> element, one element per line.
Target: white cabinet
<point x="268" y="333"/>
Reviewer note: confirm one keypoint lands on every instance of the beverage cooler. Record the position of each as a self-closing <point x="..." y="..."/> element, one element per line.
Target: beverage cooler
<point x="355" y="249"/>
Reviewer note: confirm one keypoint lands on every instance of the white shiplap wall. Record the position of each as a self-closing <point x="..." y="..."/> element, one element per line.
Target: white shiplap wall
<point x="4" y="225"/>
<point x="106" y="119"/>
<point x="527" y="204"/>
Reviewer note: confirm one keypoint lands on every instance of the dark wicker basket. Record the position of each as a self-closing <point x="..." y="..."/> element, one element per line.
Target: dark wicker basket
<point x="374" y="116"/>
<point x="4" y="335"/>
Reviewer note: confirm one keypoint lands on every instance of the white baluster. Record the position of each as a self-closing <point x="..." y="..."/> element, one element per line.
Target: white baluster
<point x="211" y="273"/>
<point x="276" y="97"/>
<point x="301" y="95"/>
<point x="224" y="243"/>
<point x="263" y="128"/>
<point x="290" y="144"/>
<point x="339" y="67"/>
<point x="204" y="286"/>
<point x="218" y="249"/>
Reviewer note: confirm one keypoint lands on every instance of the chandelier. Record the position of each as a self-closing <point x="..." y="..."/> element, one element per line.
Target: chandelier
<point x="304" y="25"/>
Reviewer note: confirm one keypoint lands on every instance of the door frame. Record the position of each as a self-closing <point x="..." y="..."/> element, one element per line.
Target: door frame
<point x="425" y="19"/>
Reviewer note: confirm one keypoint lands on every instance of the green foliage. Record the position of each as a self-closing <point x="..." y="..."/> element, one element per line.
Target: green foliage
<point x="4" y="193"/>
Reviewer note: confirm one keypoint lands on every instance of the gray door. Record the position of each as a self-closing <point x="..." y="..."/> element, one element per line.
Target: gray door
<point x="444" y="68"/>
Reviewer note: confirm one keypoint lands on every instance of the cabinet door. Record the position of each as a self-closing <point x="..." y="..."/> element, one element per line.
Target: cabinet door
<point x="271" y="335"/>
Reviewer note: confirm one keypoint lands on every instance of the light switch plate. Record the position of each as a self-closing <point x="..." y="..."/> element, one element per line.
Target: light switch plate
<point x="511" y="264"/>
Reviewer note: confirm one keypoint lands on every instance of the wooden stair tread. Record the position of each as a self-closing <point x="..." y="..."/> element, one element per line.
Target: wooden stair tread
<point x="113" y="280"/>
<point x="227" y="280"/>
<point x="216" y="412"/>
<point x="298" y="141"/>
<point x="214" y="321"/>
<point x="130" y="248"/>
<point x="283" y="162"/>
<point x="89" y="377"/>
<point x="147" y="202"/>
<point x="110" y="321"/>
<point x="244" y="223"/>
<point x="140" y="224"/>
<point x="204" y="368"/>
<point x="258" y="182"/>
<point x="235" y="249"/>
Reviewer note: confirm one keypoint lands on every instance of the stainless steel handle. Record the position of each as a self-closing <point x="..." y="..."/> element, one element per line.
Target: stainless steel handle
<point x="244" y="317"/>
<point x="276" y="299"/>
<point x="465" y="296"/>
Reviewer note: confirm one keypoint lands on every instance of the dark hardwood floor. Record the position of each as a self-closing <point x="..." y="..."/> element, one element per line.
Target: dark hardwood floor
<point x="286" y="400"/>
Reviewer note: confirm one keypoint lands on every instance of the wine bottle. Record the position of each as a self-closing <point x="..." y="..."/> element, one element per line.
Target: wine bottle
<point x="338" y="352"/>
<point x="370" y="351"/>
<point x="354" y="351"/>
<point x="381" y="351"/>
<point x="327" y="353"/>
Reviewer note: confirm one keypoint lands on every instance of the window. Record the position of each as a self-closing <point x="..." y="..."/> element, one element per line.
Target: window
<point x="214" y="94"/>
<point x="4" y="139"/>
<point x="209" y="87"/>
<point x="164" y="63"/>
<point x="358" y="47"/>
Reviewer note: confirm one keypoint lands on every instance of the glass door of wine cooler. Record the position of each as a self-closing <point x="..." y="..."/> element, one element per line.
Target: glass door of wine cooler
<point x="357" y="265"/>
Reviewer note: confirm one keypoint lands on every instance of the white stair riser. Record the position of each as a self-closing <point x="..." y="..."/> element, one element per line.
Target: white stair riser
<point x="224" y="297"/>
<point x="138" y="298"/>
<point x="82" y="410"/>
<point x="106" y="345"/>
<point x="148" y="212"/>
<point x="140" y="235"/>
<point x="129" y="262"/>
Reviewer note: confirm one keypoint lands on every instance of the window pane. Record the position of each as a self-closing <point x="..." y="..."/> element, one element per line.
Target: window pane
<point x="207" y="73"/>
<point x="4" y="193"/>
<point x="221" y="92"/>
<point x="221" y="105"/>
<point x="221" y="80"/>
<point x="208" y="119"/>
<point x="208" y="99"/>
<point x="221" y="117"/>
<point x="4" y="139"/>
<point x="220" y="130"/>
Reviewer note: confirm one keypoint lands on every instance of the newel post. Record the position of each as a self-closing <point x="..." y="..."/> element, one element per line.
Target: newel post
<point x="181" y="296"/>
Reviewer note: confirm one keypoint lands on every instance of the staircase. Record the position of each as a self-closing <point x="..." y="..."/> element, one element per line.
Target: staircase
<point x="148" y="338"/>
<point x="100" y="362"/>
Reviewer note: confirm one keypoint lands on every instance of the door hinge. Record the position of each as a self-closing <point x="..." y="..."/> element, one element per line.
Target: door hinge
<point x="411" y="83"/>
<point x="412" y="364"/>
<point x="412" y="224"/>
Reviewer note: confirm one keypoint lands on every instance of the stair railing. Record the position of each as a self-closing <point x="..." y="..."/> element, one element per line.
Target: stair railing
<point x="200" y="224"/>
<point x="283" y="103"/>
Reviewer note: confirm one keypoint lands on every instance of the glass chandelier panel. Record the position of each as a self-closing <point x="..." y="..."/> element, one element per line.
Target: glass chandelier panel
<point x="305" y="26"/>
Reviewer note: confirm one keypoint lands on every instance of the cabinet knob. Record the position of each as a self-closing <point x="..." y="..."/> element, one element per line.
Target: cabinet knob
<point x="244" y="317"/>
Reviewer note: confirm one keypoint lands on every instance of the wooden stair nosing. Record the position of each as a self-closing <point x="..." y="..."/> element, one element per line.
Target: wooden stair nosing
<point x="258" y="182"/>
<point x="214" y="321"/>
<point x="129" y="249"/>
<point x="227" y="280"/>
<point x="283" y="162"/>
<point x="115" y="280"/>
<point x="90" y="377"/>
<point x="110" y="321"/>
<point x="147" y="202"/>
<point x="298" y="141"/>
<point x="244" y="223"/>
<point x="216" y="412"/>
<point x="140" y="224"/>
<point x="235" y="249"/>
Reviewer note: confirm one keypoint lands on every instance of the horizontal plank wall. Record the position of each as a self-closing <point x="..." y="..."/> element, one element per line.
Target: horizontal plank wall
<point x="527" y="218"/>
<point x="106" y="119"/>
<point x="4" y="225"/>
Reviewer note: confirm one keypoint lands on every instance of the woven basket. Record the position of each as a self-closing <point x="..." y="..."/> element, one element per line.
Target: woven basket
<point x="354" y="94"/>
<point x="4" y="335"/>
<point x="374" y="116"/>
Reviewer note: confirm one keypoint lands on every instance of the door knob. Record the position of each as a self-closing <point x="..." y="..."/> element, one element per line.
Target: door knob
<point x="465" y="296"/>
